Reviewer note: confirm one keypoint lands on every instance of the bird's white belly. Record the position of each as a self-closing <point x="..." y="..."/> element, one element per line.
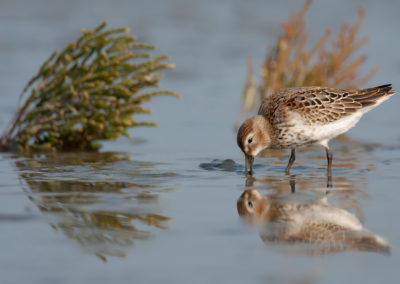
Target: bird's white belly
<point x="322" y="133"/>
<point x="323" y="212"/>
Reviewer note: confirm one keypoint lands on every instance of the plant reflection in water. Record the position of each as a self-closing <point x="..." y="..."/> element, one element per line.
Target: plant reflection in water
<point x="104" y="201"/>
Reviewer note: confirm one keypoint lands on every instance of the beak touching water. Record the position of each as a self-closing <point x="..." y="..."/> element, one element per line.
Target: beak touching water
<point x="249" y="164"/>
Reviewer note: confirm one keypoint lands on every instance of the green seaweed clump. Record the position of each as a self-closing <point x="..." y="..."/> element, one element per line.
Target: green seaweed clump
<point x="291" y="63"/>
<point x="87" y="92"/>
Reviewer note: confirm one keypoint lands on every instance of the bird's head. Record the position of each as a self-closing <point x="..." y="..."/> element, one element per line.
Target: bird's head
<point x="253" y="206"/>
<point x="253" y="136"/>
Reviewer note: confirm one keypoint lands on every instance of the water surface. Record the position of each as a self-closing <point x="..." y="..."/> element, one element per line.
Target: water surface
<point x="163" y="206"/>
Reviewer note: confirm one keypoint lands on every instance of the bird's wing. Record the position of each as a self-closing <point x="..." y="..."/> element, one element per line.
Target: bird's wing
<point x="332" y="237"/>
<point x="321" y="105"/>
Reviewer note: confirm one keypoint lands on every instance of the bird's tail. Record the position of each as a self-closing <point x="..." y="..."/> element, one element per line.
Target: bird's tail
<point x="372" y="243"/>
<point x="373" y="96"/>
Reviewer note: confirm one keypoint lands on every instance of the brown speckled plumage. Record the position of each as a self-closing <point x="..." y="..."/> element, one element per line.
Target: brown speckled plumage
<point x="302" y="116"/>
<point x="320" y="105"/>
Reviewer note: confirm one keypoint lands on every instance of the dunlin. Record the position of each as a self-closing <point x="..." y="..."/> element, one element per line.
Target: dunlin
<point x="313" y="224"/>
<point x="304" y="116"/>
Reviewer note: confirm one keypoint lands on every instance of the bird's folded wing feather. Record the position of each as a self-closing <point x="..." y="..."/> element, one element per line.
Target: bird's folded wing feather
<point x="321" y="105"/>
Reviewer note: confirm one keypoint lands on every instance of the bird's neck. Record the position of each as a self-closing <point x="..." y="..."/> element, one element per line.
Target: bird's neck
<point x="266" y="130"/>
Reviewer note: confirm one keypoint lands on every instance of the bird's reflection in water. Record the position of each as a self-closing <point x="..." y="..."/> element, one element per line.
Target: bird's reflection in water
<point x="93" y="199"/>
<point x="305" y="224"/>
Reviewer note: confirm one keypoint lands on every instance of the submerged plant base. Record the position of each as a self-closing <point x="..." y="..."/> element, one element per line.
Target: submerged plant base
<point x="86" y="93"/>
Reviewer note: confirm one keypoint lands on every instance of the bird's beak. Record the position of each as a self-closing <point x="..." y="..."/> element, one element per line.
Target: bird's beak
<point x="249" y="164"/>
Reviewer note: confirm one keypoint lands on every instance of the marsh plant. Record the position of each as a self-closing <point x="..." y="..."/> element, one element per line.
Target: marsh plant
<point x="291" y="62"/>
<point x="87" y="92"/>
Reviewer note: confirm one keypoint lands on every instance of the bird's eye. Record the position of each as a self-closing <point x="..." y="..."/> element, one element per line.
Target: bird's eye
<point x="250" y="140"/>
<point x="250" y="204"/>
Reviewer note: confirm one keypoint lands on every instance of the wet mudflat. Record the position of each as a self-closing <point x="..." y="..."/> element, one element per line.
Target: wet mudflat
<point x="163" y="207"/>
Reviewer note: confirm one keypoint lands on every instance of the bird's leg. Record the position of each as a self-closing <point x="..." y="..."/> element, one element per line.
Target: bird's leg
<point x="291" y="160"/>
<point x="329" y="157"/>
<point x="329" y="183"/>
<point x="292" y="183"/>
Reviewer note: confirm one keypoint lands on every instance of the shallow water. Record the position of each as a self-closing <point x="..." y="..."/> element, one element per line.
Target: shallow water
<point x="163" y="206"/>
